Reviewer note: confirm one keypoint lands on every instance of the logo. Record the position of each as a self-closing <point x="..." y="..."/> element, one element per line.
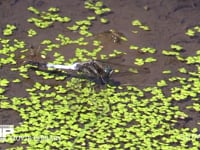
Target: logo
<point x="5" y="130"/>
<point x="9" y="129"/>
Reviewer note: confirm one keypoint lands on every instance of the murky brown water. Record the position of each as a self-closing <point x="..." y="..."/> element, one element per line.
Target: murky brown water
<point x="168" y="21"/>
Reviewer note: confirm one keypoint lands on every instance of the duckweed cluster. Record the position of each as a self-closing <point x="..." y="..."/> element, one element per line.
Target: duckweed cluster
<point x="46" y="19"/>
<point x="103" y="120"/>
<point x="8" y="49"/>
<point x="31" y="32"/>
<point x="191" y="32"/>
<point x="9" y="29"/>
<point x="140" y="61"/>
<point x="72" y="113"/>
<point x="139" y="24"/>
<point x="98" y="7"/>
<point x="83" y="26"/>
<point x="174" y="50"/>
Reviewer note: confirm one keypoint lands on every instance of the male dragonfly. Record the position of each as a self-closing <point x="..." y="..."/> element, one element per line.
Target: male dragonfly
<point x="93" y="68"/>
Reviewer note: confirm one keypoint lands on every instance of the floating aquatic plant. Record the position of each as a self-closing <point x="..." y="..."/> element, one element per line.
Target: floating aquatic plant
<point x="139" y="24"/>
<point x="150" y="59"/>
<point x="182" y="70"/>
<point x="9" y="29"/>
<point x="98" y="7"/>
<point x="148" y="50"/>
<point x="170" y="53"/>
<point x="176" y="47"/>
<point x="191" y="32"/>
<point x="96" y="43"/>
<point x="133" y="70"/>
<point x="91" y="17"/>
<point x="104" y="20"/>
<point x="31" y="32"/>
<point x="53" y="9"/>
<point x="193" y="59"/>
<point x="82" y="26"/>
<point x="166" y="72"/>
<point x="72" y="114"/>
<point x="7" y="50"/>
<point x="33" y="10"/>
<point x="139" y="61"/>
<point x="16" y="81"/>
<point x="195" y="106"/>
<point x="46" y="19"/>
<point x="133" y="47"/>
<point x="161" y="83"/>
<point x="4" y="82"/>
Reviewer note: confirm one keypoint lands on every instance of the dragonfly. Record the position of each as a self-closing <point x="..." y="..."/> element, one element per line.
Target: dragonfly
<point x="100" y="71"/>
<point x="112" y="71"/>
<point x="92" y="68"/>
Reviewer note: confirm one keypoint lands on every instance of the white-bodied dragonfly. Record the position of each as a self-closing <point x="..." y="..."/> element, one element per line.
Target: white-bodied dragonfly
<point x="93" y="68"/>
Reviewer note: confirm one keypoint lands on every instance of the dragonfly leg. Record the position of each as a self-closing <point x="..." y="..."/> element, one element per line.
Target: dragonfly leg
<point x="103" y="80"/>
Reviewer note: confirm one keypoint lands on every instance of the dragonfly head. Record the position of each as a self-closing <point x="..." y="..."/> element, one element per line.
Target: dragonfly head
<point x="108" y="71"/>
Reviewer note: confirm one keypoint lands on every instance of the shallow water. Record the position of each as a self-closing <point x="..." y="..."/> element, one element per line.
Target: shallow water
<point x="168" y="21"/>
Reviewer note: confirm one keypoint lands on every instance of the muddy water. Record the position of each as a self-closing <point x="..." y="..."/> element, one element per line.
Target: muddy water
<point x="168" y="21"/>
